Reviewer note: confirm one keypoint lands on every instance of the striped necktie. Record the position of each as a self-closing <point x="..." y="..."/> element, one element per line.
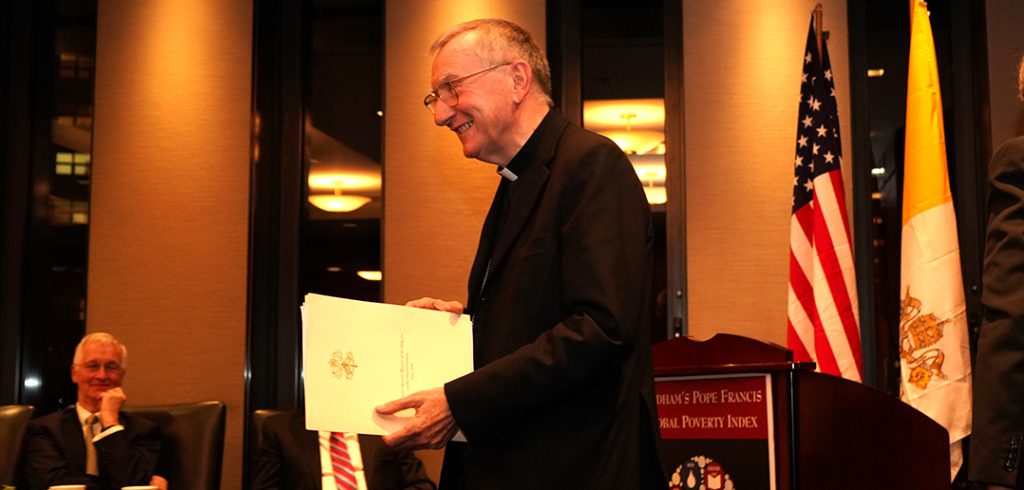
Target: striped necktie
<point x="341" y="463"/>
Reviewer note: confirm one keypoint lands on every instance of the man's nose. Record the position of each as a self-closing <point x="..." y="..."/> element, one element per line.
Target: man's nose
<point x="442" y="113"/>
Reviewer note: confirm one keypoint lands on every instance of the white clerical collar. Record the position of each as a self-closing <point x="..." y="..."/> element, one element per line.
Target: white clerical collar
<point x="506" y="173"/>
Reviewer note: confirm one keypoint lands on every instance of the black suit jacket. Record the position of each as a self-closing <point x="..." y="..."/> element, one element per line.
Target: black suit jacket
<point x="997" y="438"/>
<point x="55" y="453"/>
<point x="289" y="458"/>
<point x="562" y="394"/>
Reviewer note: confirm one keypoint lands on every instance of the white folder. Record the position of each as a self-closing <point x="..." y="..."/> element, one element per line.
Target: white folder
<point x="357" y="355"/>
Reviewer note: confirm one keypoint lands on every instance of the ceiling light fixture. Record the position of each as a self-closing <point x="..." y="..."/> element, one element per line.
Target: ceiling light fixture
<point x="338" y="203"/>
<point x="370" y="275"/>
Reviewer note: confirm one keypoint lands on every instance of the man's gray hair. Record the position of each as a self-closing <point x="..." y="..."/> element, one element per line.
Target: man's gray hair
<point x="498" y="39"/>
<point x="102" y="338"/>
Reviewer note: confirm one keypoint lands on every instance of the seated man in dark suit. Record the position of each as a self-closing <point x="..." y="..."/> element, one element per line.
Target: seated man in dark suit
<point x="93" y="442"/>
<point x="292" y="457"/>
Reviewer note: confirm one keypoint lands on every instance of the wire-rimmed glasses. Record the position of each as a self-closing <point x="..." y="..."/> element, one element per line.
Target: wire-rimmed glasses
<point x="446" y="91"/>
<point x="93" y="367"/>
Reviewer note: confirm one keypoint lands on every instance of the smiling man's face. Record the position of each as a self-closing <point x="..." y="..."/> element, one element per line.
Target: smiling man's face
<point x="484" y="114"/>
<point x="99" y="369"/>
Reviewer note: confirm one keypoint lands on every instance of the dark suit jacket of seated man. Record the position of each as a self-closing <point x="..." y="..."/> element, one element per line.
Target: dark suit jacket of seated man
<point x="289" y="458"/>
<point x="127" y="446"/>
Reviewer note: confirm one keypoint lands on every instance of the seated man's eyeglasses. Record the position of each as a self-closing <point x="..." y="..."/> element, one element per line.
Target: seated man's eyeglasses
<point x="446" y="91"/>
<point x="110" y="367"/>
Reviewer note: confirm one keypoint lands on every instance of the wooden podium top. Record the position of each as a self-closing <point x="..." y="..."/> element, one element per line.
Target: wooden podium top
<point x="722" y="353"/>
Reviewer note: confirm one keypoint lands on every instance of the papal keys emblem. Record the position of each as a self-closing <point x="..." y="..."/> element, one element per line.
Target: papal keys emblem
<point x="343" y="365"/>
<point x="920" y="334"/>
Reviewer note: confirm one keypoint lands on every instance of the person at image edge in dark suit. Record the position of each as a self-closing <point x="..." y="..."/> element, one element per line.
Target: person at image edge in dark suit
<point x="125" y="447"/>
<point x="562" y="392"/>
<point x="289" y="457"/>
<point x="997" y="438"/>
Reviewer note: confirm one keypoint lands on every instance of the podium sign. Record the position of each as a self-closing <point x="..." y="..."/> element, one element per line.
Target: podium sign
<point x="739" y="414"/>
<point x="717" y="431"/>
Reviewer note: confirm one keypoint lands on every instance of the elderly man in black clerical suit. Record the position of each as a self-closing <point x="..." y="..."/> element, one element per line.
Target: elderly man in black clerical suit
<point x="93" y="442"/>
<point x="562" y="392"/>
<point x="294" y="458"/>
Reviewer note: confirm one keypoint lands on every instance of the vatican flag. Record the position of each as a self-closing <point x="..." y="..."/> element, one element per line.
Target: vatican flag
<point x="934" y="352"/>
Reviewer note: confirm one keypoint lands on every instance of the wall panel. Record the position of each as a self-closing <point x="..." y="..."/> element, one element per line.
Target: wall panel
<point x="170" y="200"/>
<point x="741" y="86"/>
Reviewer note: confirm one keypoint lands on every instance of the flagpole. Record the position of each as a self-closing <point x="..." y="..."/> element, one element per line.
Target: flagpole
<point x="819" y="17"/>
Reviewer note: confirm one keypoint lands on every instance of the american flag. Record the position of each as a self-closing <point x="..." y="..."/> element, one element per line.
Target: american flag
<point x="823" y="320"/>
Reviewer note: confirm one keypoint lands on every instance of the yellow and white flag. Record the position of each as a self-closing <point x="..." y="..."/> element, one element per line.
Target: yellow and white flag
<point x="934" y="352"/>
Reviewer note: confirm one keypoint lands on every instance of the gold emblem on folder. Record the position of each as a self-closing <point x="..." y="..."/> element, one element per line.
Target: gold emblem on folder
<point x="919" y="336"/>
<point x="343" y="365"/>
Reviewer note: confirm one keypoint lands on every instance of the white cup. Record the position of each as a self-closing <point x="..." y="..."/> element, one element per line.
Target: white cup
<point x="68" y="487"/>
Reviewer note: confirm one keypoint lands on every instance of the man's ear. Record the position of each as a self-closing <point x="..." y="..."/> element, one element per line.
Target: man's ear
<point x="522" y="80"/>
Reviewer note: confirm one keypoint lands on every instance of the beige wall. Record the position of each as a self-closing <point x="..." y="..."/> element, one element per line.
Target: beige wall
<point x="435" y="199"/>
<point x="170" y="199"/>
<point x="743" y="64"/>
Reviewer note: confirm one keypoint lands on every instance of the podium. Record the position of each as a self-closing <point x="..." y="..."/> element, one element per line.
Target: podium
<point x="738" y="413"/>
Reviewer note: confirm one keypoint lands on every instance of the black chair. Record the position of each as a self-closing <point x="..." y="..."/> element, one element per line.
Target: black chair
<point x="13" y="421"/>
<point x="256" y="427"/>
<point x="193" y="442"/>
<point x="256" y="436"/>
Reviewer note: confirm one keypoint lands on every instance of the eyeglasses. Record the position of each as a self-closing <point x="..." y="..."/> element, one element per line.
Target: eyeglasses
<point x="94" y="367"/>
<point x="446" y="91"/>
